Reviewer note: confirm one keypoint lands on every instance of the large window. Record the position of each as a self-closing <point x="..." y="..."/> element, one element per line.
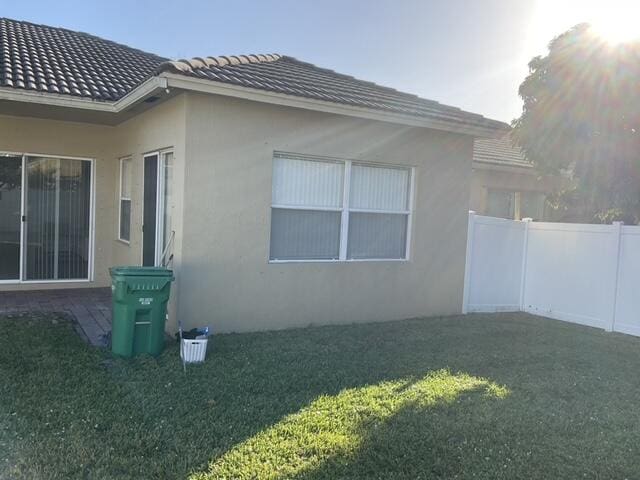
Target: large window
<point x="338" y="210"/>
<point x="124" y="228"/>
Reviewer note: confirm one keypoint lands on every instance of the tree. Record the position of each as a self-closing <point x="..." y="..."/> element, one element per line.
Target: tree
<point x="581" y="115"/>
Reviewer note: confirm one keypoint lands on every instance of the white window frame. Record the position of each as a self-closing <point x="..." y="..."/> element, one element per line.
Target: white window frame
<point x="345" y="209"/>
<point x="160" y="185"/>
<point x="23" y="208"/>
<point x="120" y="198"/>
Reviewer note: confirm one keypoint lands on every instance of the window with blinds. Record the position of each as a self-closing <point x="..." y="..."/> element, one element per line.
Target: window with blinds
<point x="338" y="210"/>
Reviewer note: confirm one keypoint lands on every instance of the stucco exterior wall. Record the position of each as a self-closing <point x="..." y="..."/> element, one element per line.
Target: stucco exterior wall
<point x="226" y="280"/>
<point x="159" y="128"/>
<point x="49" y="137"/>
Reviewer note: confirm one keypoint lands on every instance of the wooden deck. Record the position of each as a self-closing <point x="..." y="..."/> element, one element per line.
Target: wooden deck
<point x="90" y="308"/>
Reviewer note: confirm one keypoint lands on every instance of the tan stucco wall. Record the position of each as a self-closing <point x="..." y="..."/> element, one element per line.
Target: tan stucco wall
<point x="486" y="177"/>
<point x="159" y="128"/>
<point x="226" y="280"/>
<point x="28" y="135"/>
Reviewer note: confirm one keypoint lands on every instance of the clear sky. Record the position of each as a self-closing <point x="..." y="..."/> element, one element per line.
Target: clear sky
<point x="469" y="53"/>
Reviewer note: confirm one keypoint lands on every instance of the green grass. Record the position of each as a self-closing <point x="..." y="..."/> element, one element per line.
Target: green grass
<point x="485" y="397"/>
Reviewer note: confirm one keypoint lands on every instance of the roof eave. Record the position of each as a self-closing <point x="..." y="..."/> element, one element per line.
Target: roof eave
<point x="219" y="88"/>
<point x="139" y="93"/>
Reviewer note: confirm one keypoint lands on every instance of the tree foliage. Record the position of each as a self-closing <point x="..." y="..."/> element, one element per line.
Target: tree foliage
<point x="581" y="115"/>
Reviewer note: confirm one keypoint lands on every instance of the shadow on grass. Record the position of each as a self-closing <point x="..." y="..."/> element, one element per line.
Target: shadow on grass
<point x="352" y="434"/>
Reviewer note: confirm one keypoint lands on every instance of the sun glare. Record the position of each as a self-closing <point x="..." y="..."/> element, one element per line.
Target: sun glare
<point x="617" y="23"/>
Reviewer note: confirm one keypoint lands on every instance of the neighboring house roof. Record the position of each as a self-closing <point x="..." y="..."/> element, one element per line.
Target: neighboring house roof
<point x="499" y="151"/>
<point x="53" y="60"/>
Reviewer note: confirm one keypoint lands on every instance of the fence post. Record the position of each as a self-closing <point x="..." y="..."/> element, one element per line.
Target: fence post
<point x="467" y="262"/>
<point x="523" y="273"/>
<point x="617" y="232"/>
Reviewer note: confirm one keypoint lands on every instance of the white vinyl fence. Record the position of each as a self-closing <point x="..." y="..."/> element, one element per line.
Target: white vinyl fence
<point x="587" y="274"/>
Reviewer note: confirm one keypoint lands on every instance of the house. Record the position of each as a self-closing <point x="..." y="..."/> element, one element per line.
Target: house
<point x="282" y="194"/>
<point x="505" y="184"/>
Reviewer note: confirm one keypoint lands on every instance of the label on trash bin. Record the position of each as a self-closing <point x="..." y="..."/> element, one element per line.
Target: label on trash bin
<point x="145" y="301"/>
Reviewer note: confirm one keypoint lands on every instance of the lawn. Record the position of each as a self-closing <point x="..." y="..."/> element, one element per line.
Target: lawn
<point x="485" y="397"/>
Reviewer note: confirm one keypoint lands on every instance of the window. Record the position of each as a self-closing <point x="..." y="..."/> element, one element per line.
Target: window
<point x="338" y="210"/>
<point x="515" y="205"/>
<point x="532" y="205"/>
<point x="124" y="228"/>
<point x="501" y="204"/>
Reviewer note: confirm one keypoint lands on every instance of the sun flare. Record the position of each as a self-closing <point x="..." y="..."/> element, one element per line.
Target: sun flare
<point x="617" y="23"/>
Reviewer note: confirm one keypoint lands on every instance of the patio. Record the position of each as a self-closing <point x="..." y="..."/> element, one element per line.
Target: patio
<point x="90" y="308"/>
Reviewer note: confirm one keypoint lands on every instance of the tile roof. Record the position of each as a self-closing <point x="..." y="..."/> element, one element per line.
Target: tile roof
<point x="499" y="151"/>
<point x="287" y="75"/>
<point x="56" y="60"/>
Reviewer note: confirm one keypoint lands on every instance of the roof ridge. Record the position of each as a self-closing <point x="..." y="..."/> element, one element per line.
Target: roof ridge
<point x="189" y="65"/>
<point x="84" y="34"/>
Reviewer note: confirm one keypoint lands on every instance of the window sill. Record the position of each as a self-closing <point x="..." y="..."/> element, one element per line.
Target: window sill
<point x="353" y="260"/>
<point x="124" y="242"/>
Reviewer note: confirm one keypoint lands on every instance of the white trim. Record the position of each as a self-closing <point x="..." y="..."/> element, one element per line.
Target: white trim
<point x="92" y="222"/>
<point x="24" y="225"/>
<point x="121" y="198"/>
<point x="69" y="101"/>
<point x="167" y="80"/>
<point x="305" y="207"/>
<point x="23" y="209"/>
<point x="344" y="217"/>
<point x="346" y="211"/>
<point x="159" y="203"/>
<point x="336" y="260"/>
<point x="264" y="96"/>
<point x="373" y="210"/>
<point x="412" y="199"/>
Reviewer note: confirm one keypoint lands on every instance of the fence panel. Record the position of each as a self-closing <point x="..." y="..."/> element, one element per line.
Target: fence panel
<point x="494" y="265"/>
<point x="571" y="272"/>
<point x="627" y="308"/>
<point x="587" y="274"/>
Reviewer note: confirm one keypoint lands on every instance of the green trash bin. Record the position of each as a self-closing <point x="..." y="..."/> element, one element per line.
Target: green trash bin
<point x="140" y="296"/>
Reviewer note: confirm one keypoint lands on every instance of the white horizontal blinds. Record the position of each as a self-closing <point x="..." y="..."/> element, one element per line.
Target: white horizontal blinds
<point x="378" y="212"/>
<point x="307" y="183"/>
<point x="379" y="188"/>
<point x="306" y="209"/>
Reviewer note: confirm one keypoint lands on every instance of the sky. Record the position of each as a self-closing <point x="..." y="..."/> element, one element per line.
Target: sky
<point x="472" y="54"/>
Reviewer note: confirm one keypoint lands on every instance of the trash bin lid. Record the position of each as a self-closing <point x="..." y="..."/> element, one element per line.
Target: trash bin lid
<point x="134" y="271"/>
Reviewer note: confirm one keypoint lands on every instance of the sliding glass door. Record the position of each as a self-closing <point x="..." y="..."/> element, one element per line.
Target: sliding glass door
<point x="10" y="216"/>
<point x="48" y="232"/>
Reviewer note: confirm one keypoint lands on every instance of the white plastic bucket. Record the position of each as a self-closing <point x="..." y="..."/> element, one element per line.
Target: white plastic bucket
<point x="193" y="351"/>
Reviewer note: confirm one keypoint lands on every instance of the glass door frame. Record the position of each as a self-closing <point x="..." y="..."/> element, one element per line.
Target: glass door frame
<point x="160" y="207"/>
<point x="24" y="220"/>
